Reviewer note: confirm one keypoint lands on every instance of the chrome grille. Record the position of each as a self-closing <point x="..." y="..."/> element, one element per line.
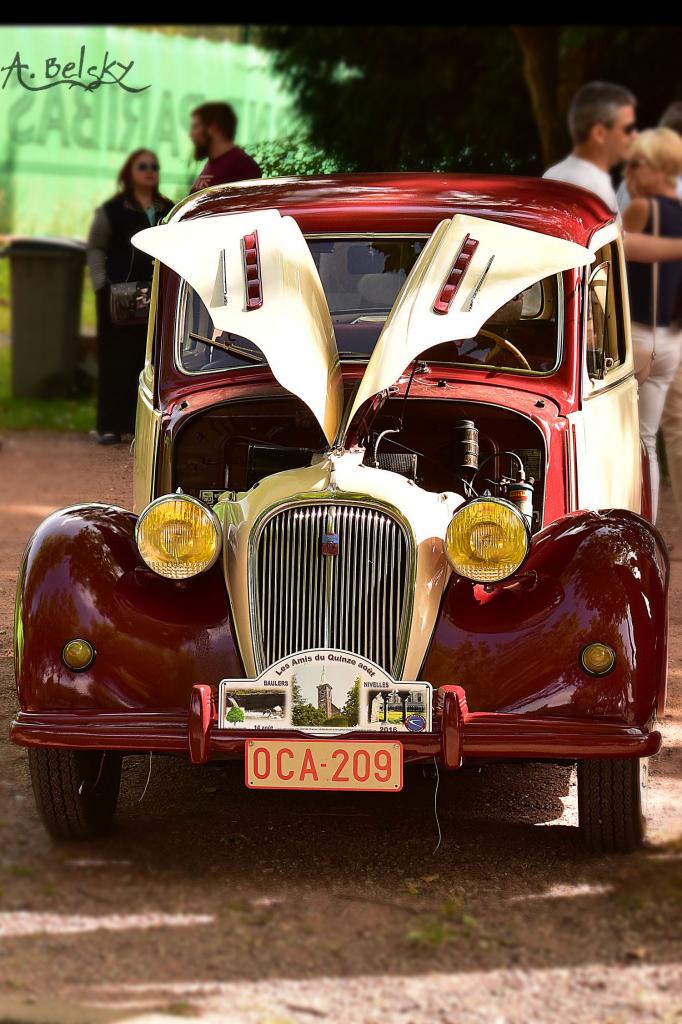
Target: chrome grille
<point x="359" y="600"/>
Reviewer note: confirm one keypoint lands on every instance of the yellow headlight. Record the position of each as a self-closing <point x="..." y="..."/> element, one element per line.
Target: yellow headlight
<point x="487" y="540"/>
<point x="178" y="537"/>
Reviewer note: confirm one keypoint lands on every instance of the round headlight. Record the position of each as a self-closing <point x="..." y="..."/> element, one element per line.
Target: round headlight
<point x="487" y="540"/>
<point x="178" y="537"/>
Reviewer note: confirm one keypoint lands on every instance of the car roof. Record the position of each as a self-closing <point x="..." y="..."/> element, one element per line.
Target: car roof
<point x="409" y="202"/>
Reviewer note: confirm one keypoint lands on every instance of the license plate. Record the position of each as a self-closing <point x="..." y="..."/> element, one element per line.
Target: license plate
<point x="324" y="764"/>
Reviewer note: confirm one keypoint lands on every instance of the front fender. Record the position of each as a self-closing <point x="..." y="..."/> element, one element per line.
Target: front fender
<point x="82" y="576"/>
<point x="589" y="576"/>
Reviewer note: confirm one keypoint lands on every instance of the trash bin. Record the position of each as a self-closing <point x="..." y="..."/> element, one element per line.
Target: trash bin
<point x="46" y="277"/>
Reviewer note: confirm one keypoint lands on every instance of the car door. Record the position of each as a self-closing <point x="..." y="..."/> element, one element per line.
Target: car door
<point x="606" y="429"/>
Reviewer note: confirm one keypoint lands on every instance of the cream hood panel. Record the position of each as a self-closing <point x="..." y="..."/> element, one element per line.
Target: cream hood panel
<point x="507" y="260"/>
<point x="342" y="476"/>
<point x="293" y="327"/>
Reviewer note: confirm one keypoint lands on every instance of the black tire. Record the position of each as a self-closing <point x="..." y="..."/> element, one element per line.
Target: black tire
<point x="612" y="803"/>
<point x="76" y="791"/>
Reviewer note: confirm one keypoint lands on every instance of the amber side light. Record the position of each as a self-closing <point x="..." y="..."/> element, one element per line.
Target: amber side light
<point x="78" y="655"/>
<point x="598" y="659"/>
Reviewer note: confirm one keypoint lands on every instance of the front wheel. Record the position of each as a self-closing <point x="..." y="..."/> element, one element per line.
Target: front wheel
<point x="612" y="803"/>
<point x="76" y="791"/>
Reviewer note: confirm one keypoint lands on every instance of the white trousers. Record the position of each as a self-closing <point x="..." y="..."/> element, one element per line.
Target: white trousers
<point x="654" y="391"/>
<point x="671" y="425"/>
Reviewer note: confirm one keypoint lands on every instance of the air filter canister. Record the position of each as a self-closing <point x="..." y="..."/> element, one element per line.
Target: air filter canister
<point x="466" y="445"/>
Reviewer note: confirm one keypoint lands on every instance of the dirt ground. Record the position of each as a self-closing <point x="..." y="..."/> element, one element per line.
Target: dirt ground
<point x="263" y="908"/>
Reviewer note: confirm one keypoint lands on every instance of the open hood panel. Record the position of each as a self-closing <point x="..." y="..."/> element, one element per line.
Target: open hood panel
<point x="492" y="263"/>
<point x="269" y="292"/>
<point x="469" y="268"/>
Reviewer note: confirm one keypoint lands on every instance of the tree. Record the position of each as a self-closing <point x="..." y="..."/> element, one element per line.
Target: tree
<point x="417" y="98"/>
<point x="351" y="709"/>
<point x="463" y="98"/>
<point x="297" y="701"/>
<point x="302" y="712"/>
<point x="558" y="59"/>
<point x="309" y="715"/>
<point x="292" y="154"/>
<point x="235" y="714"/>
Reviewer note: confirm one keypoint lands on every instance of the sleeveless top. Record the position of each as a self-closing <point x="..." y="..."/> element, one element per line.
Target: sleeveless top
<point x="640" y="275"/>
<point x="124" y="262"/>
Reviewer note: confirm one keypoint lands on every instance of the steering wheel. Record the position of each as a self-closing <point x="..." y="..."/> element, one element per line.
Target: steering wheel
<point x="502" y="343"/>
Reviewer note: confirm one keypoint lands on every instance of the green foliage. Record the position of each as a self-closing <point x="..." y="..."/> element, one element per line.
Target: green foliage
<point x="417" y="98"/>
<point x="455" y="97"/>
<point x="339" y="720"/>
<point x="293" y="154"/>
<point x="302" y="712"/>
<point x="296" y="694"/>
<point x="308" y="715"/>
<point x="351" y="709"/>
<point x="235" y="714"/>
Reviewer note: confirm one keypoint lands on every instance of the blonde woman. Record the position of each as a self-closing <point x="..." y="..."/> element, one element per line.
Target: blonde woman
<point x="653" y="167"/>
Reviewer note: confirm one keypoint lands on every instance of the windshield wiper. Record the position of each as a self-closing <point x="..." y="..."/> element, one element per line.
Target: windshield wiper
<point x="231" y="348"/>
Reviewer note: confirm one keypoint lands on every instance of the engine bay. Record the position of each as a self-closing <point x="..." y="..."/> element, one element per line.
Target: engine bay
<point x="469" y="448"/>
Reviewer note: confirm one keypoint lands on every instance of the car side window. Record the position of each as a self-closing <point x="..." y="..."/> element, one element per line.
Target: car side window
<point x="604" y="330"/>
<point x="202" y="348"/>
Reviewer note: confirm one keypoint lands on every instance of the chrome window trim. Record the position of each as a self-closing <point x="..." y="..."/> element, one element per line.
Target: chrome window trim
<point x="620" y="371"/>
<point x="334" y="497"/>
<point x="616" y="382"/>
<point x="182" y="300"/>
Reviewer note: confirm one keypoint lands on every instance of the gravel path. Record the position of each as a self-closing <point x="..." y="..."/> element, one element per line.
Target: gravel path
<point x="259" y="908"/>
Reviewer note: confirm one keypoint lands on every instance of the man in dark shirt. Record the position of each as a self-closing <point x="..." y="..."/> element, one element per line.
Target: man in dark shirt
<point x="212" y="130"/>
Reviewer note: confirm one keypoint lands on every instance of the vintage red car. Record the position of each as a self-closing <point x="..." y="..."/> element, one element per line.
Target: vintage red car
<point x="390" y="507"/>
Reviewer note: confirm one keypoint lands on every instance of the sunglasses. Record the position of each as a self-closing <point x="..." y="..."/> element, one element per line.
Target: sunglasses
<point x="146" y="167"/>
<point x="627" y="129"/>
<point x="632" y="165"/>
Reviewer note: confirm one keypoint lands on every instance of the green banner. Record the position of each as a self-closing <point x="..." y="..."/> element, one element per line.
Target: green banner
<point x="62" y="142"/>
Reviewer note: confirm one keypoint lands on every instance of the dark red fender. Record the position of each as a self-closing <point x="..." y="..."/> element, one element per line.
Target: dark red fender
<point x="82" y="576"/>
<point x="590" y="576"/>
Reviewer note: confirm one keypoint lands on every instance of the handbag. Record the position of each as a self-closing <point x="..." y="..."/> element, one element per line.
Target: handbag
<point x="129" y="300"/>
<point x="644" y="359"/>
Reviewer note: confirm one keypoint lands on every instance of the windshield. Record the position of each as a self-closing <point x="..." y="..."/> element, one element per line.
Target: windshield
<point x="361" y="280"/>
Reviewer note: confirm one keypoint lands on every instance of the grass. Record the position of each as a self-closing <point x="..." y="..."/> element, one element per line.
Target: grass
<point x="32" y="413"/>
<point x="41" y="414"/>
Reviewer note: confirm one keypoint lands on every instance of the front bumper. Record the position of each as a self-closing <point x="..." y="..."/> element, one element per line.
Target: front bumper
<point x="458" y="734"/>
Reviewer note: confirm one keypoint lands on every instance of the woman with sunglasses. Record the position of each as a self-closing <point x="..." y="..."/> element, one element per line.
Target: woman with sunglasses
<point x="113" y="260"/>
<point x="652" y="170"/>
